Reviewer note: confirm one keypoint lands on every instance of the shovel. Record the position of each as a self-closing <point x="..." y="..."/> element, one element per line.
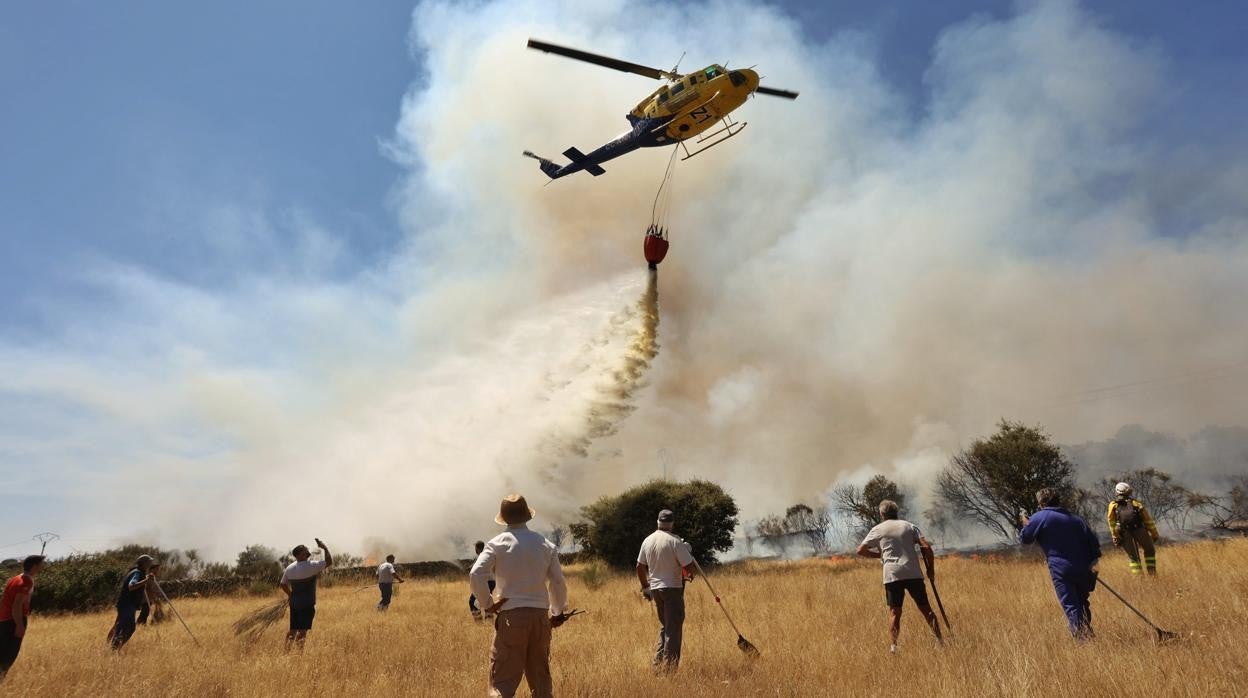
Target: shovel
<point x="743" y="644"/>
<point x="1162" y="635"/>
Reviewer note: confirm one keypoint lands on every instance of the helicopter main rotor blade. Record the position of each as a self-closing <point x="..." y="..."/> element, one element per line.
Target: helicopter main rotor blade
<point x="604" y="61"/>
<point x="787" y="94"/>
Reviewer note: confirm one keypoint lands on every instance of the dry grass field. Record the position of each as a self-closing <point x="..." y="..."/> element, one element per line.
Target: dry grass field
<point x="820" y="626"/>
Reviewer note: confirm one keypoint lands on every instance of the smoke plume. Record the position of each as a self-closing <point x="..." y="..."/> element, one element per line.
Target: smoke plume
<point x="856" y="284"/>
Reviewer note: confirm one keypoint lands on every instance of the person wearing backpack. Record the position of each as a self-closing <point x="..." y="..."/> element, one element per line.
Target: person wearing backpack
<point x="1132" y="528"/>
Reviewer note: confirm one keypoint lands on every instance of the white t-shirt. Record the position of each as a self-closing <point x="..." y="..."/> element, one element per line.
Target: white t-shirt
<point x="296" y="571"/>
<point x="665" y="555"/>
<point x="385" y="573"/>
<point x="896" y="540"/>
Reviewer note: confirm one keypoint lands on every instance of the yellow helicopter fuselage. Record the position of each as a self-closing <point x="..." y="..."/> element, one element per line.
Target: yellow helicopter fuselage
<point x="697" y="100"/>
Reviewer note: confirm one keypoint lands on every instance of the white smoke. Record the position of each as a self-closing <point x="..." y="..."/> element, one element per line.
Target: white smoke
<point x="850" y="288"/>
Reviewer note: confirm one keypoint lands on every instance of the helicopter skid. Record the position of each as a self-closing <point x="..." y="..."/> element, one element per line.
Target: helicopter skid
<point x="714" y="138"/>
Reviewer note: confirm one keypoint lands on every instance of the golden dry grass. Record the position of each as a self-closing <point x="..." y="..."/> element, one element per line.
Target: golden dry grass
<point x="820" y="626"/>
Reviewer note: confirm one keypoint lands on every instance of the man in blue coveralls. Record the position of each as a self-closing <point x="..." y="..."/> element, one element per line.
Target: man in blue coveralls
<point x="1072" y="550"/>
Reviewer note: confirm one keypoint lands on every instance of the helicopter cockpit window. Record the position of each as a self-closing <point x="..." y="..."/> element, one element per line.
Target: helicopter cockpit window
<point x="678" y="88"/>
<point x="711" y="72"/>
<point x="662" y="97"/>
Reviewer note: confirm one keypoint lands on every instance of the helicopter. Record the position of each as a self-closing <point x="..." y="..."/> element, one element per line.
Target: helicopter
<point x="687" y="106"/>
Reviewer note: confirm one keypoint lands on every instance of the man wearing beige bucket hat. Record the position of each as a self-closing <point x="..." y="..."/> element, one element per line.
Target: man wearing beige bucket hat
<point x="530" y="590"/>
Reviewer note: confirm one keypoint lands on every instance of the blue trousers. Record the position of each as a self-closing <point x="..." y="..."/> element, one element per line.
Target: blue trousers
<point x="123" y="629"/>
<point x="1073" y="586"/>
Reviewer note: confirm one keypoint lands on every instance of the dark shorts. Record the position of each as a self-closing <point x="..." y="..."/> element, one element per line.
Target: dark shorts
<point x="301" y="618"/>
<point x="895" y="592"/>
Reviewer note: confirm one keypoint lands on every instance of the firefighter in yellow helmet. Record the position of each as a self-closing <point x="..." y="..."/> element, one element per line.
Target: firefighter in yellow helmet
<point x="1132" y="528"/>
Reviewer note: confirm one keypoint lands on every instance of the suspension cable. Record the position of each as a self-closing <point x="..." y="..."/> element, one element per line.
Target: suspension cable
<point x="663" y="185"/>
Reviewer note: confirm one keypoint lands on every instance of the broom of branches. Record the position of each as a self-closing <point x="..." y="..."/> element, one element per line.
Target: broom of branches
<point x="252" y="626"/>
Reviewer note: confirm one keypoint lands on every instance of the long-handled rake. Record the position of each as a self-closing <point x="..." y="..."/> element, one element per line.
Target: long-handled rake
<point x="173" y="608"/>
<point x="743" y="644"/>
<point x="1162" y="635"/>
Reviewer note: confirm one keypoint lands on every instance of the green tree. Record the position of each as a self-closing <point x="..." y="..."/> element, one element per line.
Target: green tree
<point x="259" y="562"/>
<point x="862" y="506"/>
<point x="614" y="527"/>
<point x="996" y="478"/>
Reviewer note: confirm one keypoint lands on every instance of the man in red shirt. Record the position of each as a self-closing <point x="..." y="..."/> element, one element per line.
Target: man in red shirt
<point x="15" y="610"/>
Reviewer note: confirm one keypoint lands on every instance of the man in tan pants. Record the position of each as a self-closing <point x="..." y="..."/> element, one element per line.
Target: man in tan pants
<point x="530" y="590"/>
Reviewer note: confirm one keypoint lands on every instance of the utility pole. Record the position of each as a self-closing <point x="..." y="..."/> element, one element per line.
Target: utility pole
<point x="44" y="539"/>
<point x="662" y="454"/>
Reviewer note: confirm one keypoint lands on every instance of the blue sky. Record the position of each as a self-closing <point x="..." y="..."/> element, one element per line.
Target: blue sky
<point x="114" y="112"/>
<point x="202" y="141"/>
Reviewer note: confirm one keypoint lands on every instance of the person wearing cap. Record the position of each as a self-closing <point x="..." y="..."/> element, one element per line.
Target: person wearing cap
<point x="132" y="594"/>
<point x="299" y="583"/>
<point x="386" y="577"/>
<point x="530" y="591"/>
<point x="15" y="611"/>
<point x="1132" y="528"/>
<point x="893" y="541"/>
<point x="1072" y="551"/>
<point x="473" y="608"/>
<point x="663" y="566"/>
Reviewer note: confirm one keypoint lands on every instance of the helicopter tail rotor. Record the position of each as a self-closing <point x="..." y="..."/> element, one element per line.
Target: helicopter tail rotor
<point x="549" y="168"/>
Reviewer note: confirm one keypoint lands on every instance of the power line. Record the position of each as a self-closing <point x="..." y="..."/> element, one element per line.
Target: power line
<point x="1191" y="375"/>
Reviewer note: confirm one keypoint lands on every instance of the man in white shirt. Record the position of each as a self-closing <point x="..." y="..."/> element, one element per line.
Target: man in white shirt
<point x="386" y="577"/>
<point x="663" y="566"/>
<point x="299" y="583"/>
<point x="893" y="541"/>
<point x="530" y="590"/>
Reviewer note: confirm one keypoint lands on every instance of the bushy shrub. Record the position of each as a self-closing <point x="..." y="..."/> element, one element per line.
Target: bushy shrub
<point x="614" y="527"/>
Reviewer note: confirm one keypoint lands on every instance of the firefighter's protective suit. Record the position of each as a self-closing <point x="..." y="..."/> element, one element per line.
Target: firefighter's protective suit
<point x="1133" y="529"/>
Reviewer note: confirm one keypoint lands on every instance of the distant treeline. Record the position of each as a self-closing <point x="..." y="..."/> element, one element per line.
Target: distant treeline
<point x="92" y="581"/>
